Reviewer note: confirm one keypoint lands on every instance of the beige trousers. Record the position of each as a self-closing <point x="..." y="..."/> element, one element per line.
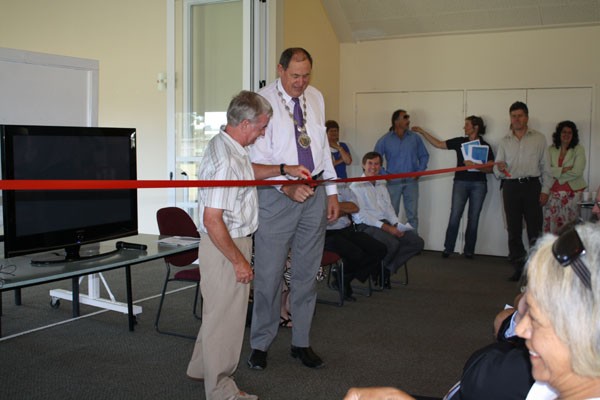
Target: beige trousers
<point x="225" y="303"/>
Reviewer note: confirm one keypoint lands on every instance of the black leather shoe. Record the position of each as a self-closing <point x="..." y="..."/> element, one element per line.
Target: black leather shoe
<point x="387" y="282"/>
<point x="519" y="266"/>
<point x="349" y="298"/>
<point x="258" y="359"/>
<point x="307" y="356"/>
<point x="445" y="254"/>
<point x="516" y="276"/>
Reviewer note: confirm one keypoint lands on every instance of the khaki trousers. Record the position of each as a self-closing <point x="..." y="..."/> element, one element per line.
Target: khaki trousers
<point x="225" y="303"/>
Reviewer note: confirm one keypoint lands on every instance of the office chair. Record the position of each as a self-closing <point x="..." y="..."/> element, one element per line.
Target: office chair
<point x="173" y="221"/>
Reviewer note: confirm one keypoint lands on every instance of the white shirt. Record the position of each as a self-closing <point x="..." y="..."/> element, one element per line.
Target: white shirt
<point x="278" y="146"/>
<point x="541" y="391"/>
<point x="226" y="159"/>
<point x="525" y="158"/>
<point x="344" y="194"/>
<point x="374" y="203"/>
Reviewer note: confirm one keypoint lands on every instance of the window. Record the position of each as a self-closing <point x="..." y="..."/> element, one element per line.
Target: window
<point x="217" y="48"/>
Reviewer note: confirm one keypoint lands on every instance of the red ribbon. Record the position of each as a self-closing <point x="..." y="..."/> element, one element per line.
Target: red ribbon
<point x="31" y="184"/>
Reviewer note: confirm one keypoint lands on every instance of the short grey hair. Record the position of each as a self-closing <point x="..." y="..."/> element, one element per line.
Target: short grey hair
<point x="249" y="106"/>
<point x="572" y="308"/>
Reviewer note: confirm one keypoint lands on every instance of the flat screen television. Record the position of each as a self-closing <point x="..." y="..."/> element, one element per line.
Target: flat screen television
<point x="48" y="220"/>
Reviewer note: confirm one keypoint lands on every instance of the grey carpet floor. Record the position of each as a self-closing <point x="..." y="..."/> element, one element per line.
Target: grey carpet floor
<point x="416" y="337"/>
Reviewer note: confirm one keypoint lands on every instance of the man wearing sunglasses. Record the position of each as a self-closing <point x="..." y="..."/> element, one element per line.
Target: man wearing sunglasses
<point x="403" y="151"/>
<point x="523" y="164"/>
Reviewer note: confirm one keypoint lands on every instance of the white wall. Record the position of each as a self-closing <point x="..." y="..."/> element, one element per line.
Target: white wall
<point x="128" y="38"/>
<point x="557" y="58"/>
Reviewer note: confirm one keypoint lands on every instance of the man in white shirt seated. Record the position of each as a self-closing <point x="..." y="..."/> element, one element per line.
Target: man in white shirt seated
<point x="377" y="218"/>
<point x="362" y="254"/>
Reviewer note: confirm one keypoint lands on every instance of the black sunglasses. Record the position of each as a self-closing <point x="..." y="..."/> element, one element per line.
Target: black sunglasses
<point x="568" y="249"/>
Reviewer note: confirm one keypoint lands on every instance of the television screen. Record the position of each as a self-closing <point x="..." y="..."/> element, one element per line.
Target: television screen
<point x="43" y="220"/>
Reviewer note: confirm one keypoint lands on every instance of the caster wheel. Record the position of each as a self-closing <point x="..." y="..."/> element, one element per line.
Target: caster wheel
<point x="55" y="303"/>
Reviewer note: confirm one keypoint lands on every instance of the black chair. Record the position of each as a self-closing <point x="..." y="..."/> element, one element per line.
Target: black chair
<point x="380" y="284"/>
<point x="173" y="221"/>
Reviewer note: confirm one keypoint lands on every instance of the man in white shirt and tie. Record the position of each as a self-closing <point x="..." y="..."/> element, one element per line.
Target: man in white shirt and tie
<point x="291" y="217"/>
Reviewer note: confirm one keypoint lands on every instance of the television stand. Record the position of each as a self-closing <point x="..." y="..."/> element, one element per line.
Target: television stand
<point x="93" y="297"/>
<point x="72" y="254"/>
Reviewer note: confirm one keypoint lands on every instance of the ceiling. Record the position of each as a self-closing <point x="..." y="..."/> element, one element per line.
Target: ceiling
<point x="361" y="20"/>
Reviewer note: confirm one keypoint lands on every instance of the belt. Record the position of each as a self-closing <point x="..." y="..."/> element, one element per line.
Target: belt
<point x="523" y="180"/>
<point x="317" y="176"/>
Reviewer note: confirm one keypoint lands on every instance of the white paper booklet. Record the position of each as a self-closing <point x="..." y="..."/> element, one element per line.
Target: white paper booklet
<point x="178" y="240"/>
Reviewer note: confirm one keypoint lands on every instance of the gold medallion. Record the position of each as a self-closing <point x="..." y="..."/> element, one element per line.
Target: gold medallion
<point x="304" y="140"/>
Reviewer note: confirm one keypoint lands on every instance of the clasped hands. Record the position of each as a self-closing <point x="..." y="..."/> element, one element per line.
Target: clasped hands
<point x="392" y="230"/>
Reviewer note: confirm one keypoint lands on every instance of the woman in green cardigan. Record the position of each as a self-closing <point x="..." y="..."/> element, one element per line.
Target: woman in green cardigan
<point x="567" y="159"/>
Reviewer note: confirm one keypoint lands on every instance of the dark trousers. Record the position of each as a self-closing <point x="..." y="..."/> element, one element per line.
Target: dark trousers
<point x="361" y="253"/>
<point x="522" y="201"/>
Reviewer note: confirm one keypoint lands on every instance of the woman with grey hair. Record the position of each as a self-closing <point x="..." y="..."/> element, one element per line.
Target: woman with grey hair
<point x="561" y="326"/>
<point x="559" y="318"/>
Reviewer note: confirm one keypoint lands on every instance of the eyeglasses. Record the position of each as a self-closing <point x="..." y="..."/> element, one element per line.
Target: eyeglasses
<point x="567" y="250"/>
<point x="406" y="116"/>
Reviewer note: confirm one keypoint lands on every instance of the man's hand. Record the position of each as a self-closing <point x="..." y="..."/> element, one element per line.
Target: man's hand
<point x="243" y="272"/>
<point x="543" y="199"/>
<point x="377" y="393"/>
<point x="521" y="307"/>
<point x="298" y="171"/>
<point x="333" y="208"/>
<point x="299" y="193"/>
<point x="501" y="166"/>
<point x="500" y="317"/>
<point x="392" y="230"/>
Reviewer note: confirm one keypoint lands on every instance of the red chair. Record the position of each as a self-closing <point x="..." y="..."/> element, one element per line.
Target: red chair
<point x="335" y="264"/>
<point x="173" y="221"/>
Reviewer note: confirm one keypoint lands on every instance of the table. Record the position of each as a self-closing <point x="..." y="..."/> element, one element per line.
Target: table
<point x="26" y="274"/>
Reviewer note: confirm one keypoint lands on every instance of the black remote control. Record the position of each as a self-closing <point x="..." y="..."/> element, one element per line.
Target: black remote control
<point x="131" y="246"/>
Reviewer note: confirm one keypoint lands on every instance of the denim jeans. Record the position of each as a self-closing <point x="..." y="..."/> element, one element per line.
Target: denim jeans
<point x="474" y="192"/>
<point x="407" y="188"/>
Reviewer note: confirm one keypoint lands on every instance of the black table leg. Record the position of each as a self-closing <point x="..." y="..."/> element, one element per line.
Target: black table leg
<point x="130" y="315"/>
<point x="75" y="292"/>
<point x="17" y="297"/>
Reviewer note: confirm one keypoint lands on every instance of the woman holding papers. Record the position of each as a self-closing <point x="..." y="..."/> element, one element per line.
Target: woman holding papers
<point x="469" y="185"/>
<point x="567" y="160"/>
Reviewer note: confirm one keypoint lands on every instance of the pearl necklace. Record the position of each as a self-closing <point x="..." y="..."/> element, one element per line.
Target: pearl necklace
<point x="303" y="138"/>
